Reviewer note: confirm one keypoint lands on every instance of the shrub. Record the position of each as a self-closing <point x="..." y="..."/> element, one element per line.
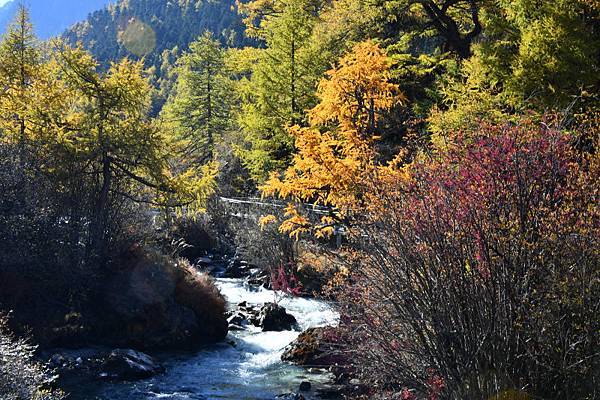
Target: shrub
<point x="21" y="377"/>
<point x="198" y="292"/>
<point x="477" y="272"/>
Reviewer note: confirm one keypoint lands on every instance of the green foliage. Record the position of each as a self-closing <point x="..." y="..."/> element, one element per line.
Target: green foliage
<point x="282" y="85"/>
<point x="199" y="109"/>
<point x="534" y="56"/>
<point x="93" y="127"/>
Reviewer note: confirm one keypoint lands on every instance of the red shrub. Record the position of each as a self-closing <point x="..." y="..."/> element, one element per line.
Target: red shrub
<point x="482" y="266"/>
<point x="285" y="282"/>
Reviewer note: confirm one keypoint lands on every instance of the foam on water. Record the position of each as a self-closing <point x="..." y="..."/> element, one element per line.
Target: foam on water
<point x="251" y="370"/>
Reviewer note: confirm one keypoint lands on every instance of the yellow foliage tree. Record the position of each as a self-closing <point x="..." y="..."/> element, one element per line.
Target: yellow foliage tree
<point x="335" y="153"/>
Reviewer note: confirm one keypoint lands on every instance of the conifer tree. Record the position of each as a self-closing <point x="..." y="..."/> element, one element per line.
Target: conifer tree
<point x="19" y="62"/>
<point x="127" y="152"/>
<point x="198" y="111"/>
<point x="283" y="82"/>
<point x="335" y="153"/>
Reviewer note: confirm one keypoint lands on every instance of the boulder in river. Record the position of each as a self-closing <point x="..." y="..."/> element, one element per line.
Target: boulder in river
<point x="273" y="317"/>
<point x="315" y="347"/>
<point x="127" y="364"/>
<point x="155" y="302"/>
<point x="238" y="269"/>
<point x="79" y="367"/>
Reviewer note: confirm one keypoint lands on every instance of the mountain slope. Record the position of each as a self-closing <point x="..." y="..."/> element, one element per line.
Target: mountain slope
<point x="146" y="28"/>
<point x="50" y="17"/>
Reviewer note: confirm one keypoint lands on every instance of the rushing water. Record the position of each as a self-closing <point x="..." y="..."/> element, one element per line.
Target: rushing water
<point x="249" y="368"/>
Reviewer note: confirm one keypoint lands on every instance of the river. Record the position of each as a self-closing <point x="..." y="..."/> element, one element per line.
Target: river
<point x="248" y="367"/>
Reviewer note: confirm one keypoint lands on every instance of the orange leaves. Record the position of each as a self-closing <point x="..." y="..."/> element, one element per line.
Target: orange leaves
<point x="266" y="220"/>
<point x="295" y="224"/>
<point x="357" y="91"/>
<point x="334" y="155"/>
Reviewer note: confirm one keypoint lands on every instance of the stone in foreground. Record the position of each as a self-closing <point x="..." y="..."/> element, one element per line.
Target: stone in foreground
<point x="273" y="317"/>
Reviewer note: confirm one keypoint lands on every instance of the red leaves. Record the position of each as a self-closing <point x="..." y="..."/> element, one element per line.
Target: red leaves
<point x="507" y="179"/>
<point x="284" y="282"/>
<point x="436" y="385"/>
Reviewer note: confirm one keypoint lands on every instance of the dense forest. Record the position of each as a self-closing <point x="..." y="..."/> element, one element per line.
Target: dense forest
<point x="157" y="32"/>
<point x="427" y="167"/>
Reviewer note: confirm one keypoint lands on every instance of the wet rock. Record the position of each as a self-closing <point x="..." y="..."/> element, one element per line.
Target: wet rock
<point x="127" y="364"/>
<point x="237" y="319"/>
<point x="354" y="382"/>
<point x="58" y="361"/>
<point x="332" y="392"/>
<point x="273" y="317"/>
<point x="234" y="327"/>
<point x="237" y="269"/>
<point x="244" y="315"/>
<point x="259" y="277"/>
<point x="305" y="386"/>
<point x="315" y="347"/>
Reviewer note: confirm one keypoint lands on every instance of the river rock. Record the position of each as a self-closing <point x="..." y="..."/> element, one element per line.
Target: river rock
<point x="238" y="319"/>
<point x="237" y="269"/>
<point x="154" y="302"/>
<point x="127" y="364"/>
<point x="305" y="386"/>
<point x="273" y="317"/>
<point x="315" y="347"/>
<point x="259" y="277"/>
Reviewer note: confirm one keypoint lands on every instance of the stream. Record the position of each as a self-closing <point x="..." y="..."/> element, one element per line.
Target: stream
<point x="248" y="367"/>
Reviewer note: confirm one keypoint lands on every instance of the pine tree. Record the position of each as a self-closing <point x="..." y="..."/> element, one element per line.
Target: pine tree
<point x="127" y="153"/>
<point x="199" y="109"/>
<point x="283" y="82"/>
<point x="19" y="62"/>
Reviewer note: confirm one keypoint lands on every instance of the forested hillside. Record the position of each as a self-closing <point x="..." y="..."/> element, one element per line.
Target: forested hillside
<point x="146" y="28"/>
<point x="51" y="17"/>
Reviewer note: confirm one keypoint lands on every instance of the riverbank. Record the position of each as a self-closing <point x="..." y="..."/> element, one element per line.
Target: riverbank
<point x="247" y="366"/>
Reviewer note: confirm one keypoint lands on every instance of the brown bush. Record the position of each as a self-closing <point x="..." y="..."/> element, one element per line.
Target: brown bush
<point x="198" y="292"/>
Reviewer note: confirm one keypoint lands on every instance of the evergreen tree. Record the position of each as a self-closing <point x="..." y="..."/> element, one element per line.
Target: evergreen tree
<point x="198" y="111"/>
<point x="283" y="82"/>
<point x="19" y="62"/>
<point x="129" y="152"/>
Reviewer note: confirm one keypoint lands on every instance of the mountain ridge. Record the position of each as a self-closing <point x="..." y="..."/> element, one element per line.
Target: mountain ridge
<point x="146" y="28"/>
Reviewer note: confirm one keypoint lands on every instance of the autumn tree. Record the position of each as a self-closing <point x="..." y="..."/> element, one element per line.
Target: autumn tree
<point x="19" y="62"/>
<point x="335" y="153"/>
<point x="127" y="153"/>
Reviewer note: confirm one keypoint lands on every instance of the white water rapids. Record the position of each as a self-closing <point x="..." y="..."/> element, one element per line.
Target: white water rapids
<point x="251" y="368"/>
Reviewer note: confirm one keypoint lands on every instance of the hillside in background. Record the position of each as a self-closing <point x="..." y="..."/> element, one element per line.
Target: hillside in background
<point x="51" y="17"/>
<point x="146" y="28"/>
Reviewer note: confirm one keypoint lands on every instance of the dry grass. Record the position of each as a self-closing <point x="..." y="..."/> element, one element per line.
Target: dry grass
<point x="198" y="292"/>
